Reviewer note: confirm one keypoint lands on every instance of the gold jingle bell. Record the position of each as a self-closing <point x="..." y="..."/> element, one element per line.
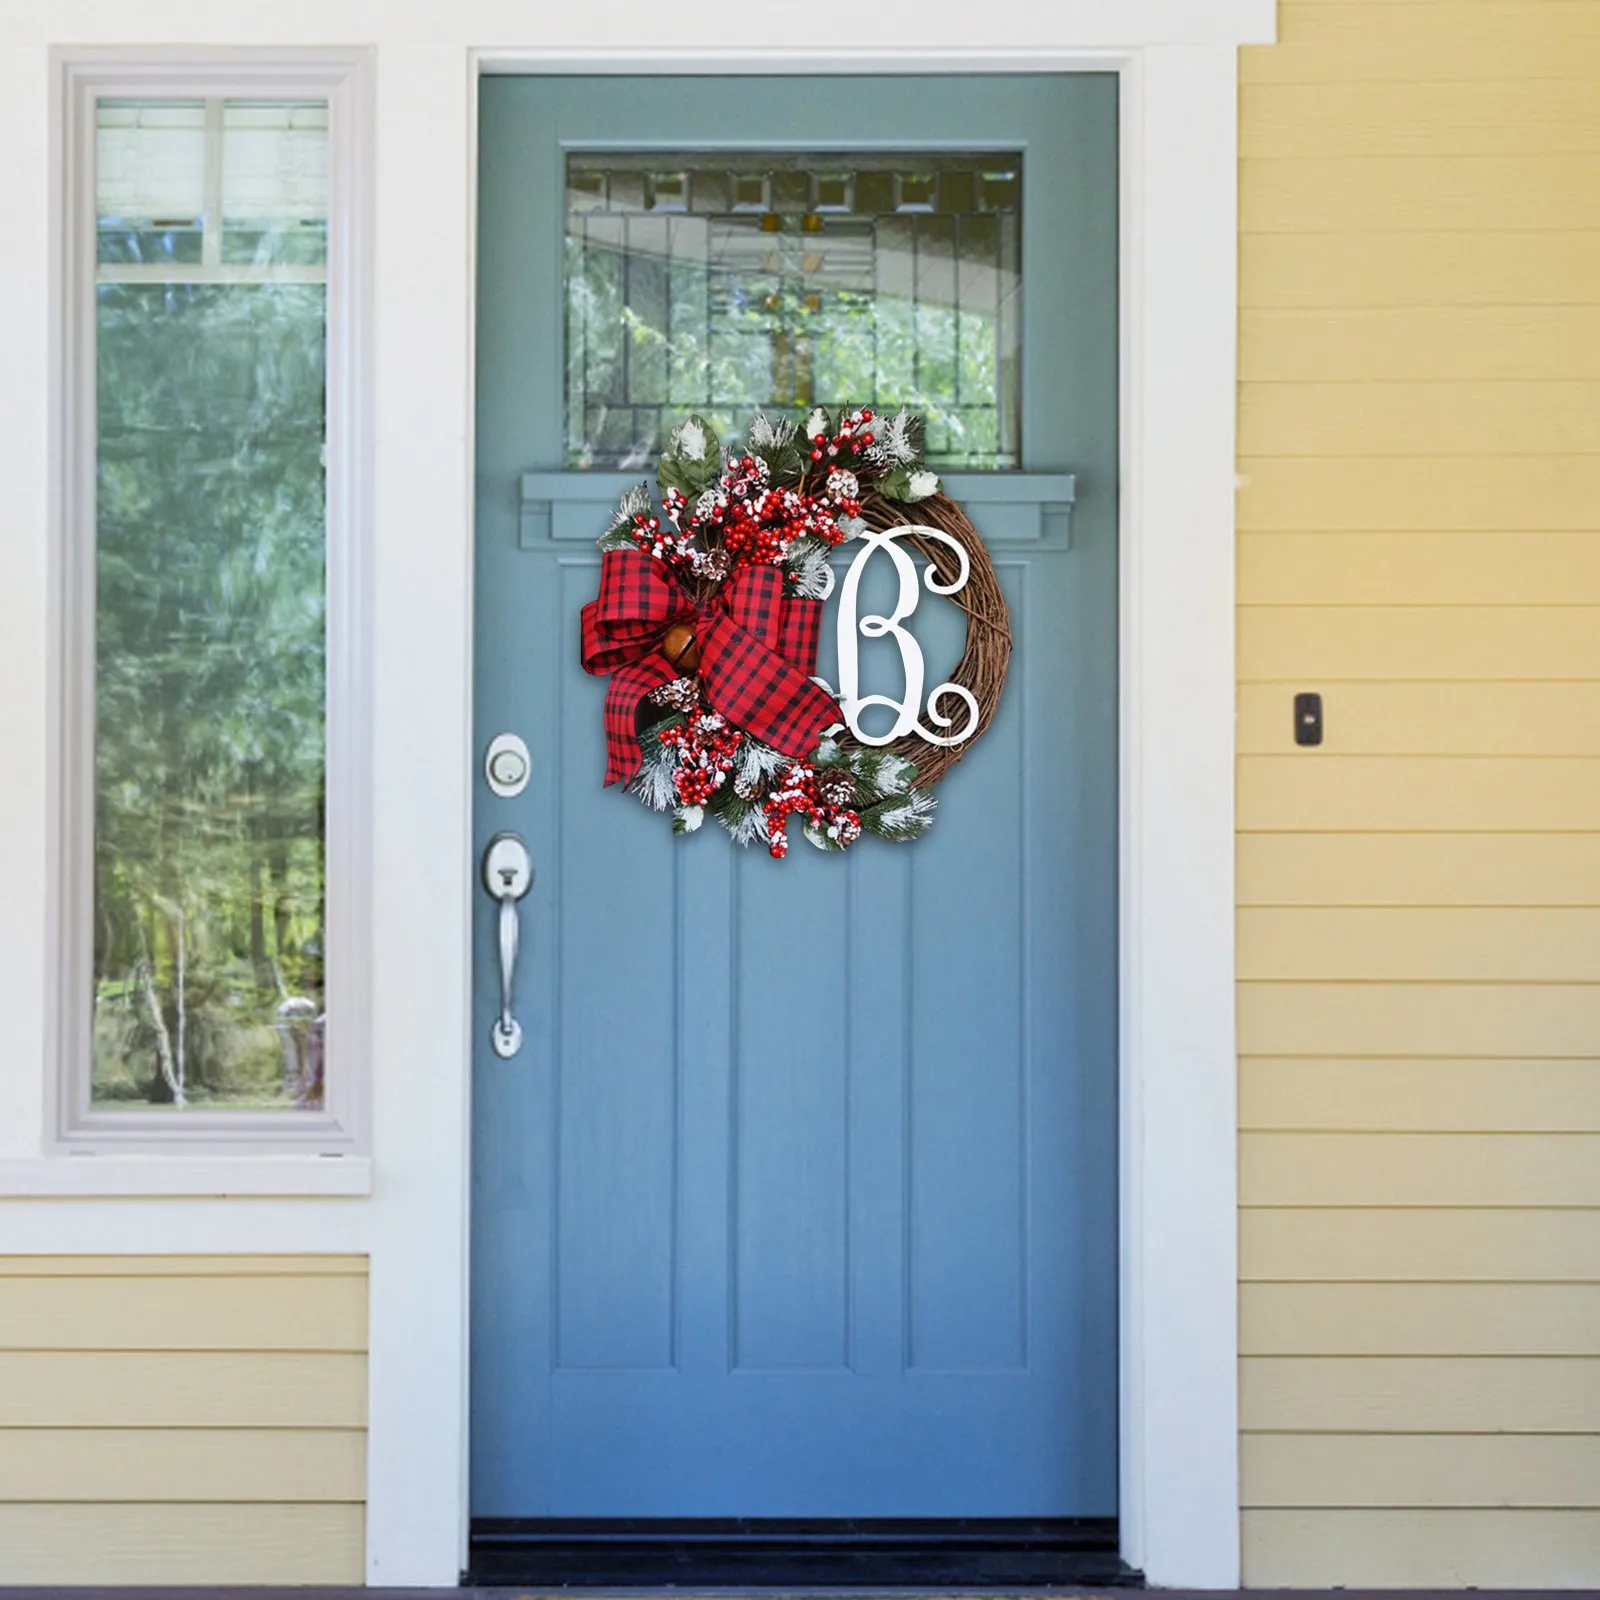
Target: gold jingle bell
<point x="681" y="648"/>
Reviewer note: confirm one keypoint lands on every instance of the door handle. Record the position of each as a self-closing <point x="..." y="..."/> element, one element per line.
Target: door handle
<point x="507" y="875"/>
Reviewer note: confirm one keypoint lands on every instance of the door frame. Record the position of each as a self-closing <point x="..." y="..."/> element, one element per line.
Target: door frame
<point x="1177" y="1215"/>
<point x="409" y="1212"/>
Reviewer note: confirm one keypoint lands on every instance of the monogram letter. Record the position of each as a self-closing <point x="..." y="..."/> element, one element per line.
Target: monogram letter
<point x="907" y="710"/>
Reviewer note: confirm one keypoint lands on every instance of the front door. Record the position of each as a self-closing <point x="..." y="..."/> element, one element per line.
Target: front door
<point x="798" y="1199"/>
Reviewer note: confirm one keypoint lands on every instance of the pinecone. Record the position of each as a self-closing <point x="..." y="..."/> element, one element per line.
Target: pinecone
<point x="836" y="786"/>
<point x="681" y="694"/>
<point x="715" y="564"/>
<point x="747" y="788"/>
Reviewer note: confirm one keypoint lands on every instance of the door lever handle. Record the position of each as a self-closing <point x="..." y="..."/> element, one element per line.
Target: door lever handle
<point x="507" y="875"/>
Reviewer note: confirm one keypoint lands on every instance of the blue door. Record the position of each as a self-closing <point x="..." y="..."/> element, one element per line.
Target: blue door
<point x="799" y="1198"/>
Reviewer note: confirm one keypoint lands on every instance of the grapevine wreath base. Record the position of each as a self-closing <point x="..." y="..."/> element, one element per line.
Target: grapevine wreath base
<point x="709" y="615"/>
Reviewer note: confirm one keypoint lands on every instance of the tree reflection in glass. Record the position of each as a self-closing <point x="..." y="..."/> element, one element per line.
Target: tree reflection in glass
<point x="722" y="283"/>
<point x="210" y="611"/>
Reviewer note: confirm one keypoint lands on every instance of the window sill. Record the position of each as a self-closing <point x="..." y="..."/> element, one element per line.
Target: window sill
<point x="210" y="1177"/>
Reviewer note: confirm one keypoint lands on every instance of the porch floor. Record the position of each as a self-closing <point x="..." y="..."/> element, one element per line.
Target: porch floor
<point x="210" y="1592"/>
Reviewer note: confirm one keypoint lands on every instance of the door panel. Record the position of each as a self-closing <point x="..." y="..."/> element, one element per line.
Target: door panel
<point x="799" y="1199"/>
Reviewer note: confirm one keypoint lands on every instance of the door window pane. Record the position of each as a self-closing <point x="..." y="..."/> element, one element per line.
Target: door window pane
<point x="725" y="283"/>
<point x="210" y="622"/>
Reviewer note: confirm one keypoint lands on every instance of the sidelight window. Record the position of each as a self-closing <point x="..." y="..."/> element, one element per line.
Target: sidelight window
<point x="211" y="767"/>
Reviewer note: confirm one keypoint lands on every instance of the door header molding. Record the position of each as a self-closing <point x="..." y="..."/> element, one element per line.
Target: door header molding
<point x="1018" y="36"/>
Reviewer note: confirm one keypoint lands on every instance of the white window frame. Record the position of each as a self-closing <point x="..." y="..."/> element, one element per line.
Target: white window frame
<point x="340" y="1128"/>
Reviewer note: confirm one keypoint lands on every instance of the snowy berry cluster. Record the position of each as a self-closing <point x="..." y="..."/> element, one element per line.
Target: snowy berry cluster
<point x="786" y="497"/>
<point x="706" y="750"/>
<point x="671" y="545"/>
<point x="854" y="439"/>
<point x="797" y="789"/>
<point x="757" y="522"/>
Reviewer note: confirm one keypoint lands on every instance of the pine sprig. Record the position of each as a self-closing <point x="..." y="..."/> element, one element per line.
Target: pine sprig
<point x="619" y="534"/>
<point x="900" y="818"/>
<point x="654" y="782"/>
<point x="776" y="443"/>
<point x="806" y="573"/>
<point x="883" y="773"/>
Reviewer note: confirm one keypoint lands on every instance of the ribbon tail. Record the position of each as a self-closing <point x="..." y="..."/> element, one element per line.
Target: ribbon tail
<point x="757" y="690"/>
<point x="800" y="632"/>
<point x="624" y="694"/>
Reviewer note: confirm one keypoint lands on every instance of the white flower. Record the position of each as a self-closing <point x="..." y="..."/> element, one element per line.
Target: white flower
<point x="922" y="485"/>
<point x="689" y="440"/>
<point x="817" y="424"/>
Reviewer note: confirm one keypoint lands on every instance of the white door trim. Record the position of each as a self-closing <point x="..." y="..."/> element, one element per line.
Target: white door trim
<point x="1178" y="61"/>
<point x="1178" y="1337"/>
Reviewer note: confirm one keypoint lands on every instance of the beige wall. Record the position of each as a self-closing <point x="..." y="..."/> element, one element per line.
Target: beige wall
<point x="1419" y="923"/>
<point x="182" y="1419"/>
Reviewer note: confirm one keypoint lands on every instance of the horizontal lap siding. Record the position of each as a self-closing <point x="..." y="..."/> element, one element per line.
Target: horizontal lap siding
<point x="182" y="1420"/>
<point x="1419" y="924"/>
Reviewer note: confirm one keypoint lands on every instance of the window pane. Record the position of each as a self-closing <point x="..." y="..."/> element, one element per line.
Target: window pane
<point x="275" y="183"/>
<point x="150" y="177"/>
<point x="210" y="619"/>
<point x="723" y="284"/>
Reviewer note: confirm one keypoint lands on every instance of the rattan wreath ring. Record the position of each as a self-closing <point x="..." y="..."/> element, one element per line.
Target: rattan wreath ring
<point x="982" y="668"/>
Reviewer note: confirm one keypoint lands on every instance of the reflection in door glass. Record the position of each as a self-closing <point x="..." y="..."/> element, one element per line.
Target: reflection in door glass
<point x="210" y="615"/>
<point x="725" y="283"/>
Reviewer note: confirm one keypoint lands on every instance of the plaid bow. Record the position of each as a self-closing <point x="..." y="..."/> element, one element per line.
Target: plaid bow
<point x="757" y="649"/>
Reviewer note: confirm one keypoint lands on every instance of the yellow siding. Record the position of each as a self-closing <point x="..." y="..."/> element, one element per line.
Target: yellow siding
<point x="182" y="1419"/>
<point x="1422" y="1548"/>
<point x="1419" y="926"/>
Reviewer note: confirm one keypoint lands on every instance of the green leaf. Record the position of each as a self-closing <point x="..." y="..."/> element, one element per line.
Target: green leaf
<point x="815" y="835"/>
<point x="895" y="485"/>
<point x="692" y="460"/>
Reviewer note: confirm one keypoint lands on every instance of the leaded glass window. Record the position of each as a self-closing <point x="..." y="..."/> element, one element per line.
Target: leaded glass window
<point x="722" y="283"/>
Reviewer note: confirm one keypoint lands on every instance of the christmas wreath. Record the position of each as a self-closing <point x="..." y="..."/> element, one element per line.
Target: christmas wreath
<point x="709" y="615"/>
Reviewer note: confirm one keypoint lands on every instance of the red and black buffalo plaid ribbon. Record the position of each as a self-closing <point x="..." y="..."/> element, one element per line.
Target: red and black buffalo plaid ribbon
<point x="757" y="651"/>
